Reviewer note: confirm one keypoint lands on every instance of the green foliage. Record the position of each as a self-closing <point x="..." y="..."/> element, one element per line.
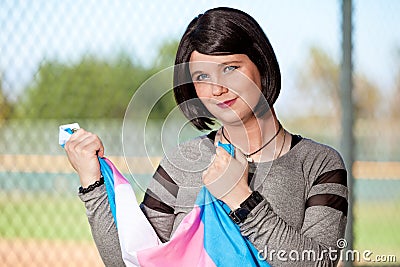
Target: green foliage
<point x="5" y="106"/>
<point x="92" y="88"/>
<point x="320" y="78"/>
<point x="166" y="54"/>
<point x="89" y="89"/>
<point x="165" y="60"/>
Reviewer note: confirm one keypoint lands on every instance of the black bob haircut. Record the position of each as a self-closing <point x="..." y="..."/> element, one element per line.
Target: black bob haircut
<point x="224" y="31"/>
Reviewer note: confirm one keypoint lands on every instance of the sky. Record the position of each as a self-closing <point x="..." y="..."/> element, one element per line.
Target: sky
<point x="33" y="32"/>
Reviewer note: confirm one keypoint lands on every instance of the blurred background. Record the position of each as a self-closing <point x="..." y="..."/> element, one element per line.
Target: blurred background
<point x="82" y="61"/>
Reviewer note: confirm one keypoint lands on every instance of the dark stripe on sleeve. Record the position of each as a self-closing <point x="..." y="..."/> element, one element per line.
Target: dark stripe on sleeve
<point x="165" y="180"/>
<point x="336" y="176"/>
<point x="156" y="204"/>
<point x="330" y="200"/>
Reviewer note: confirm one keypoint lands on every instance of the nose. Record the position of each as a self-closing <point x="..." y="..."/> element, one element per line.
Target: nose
<point x="218" y="89"/>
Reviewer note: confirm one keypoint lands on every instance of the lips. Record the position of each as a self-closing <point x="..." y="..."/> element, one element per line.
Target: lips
<point x="227" y="103"/>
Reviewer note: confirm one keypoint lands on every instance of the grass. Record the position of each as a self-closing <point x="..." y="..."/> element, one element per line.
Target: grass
<point x="376" y="227"/>
<point x="37" y="216"/>
<point x="58" y="217"/>
<point x="43" y="216"/>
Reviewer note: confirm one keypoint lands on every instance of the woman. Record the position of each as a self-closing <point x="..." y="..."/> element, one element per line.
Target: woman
<point x="289" y="197"/>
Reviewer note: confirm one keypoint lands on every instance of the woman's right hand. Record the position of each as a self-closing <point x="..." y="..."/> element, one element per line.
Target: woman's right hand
<point x="82" y="149"/>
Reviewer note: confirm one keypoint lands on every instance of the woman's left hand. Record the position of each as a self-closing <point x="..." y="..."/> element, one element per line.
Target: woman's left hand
<point x="227" y="178"/>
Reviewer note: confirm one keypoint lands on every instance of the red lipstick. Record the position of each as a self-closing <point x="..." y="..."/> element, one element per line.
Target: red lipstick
<point x="227" y="103"/>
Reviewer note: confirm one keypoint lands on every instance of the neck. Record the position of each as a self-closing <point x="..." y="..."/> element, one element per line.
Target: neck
<point x="254" y="133"/>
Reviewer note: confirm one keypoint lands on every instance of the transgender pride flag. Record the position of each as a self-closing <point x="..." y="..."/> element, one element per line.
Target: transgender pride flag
<point x="205" y="237"/>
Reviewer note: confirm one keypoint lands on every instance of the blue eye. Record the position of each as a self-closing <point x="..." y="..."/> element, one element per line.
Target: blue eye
<point x="230" y="68"/>
<point x="202" y="77"/>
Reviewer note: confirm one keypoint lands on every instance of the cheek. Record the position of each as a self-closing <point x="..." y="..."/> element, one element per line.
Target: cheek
<point x="197" y="90"/>
<point x="245" y="87"/>
<point x="202" y="90"/>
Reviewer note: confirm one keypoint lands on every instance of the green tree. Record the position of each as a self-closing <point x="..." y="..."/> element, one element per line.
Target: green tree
<point x="95" y="89"/>
<point x="5" y="105"/>
<point x="165" y="59"/>
<point x="162" y="66"/>
<point x="92" y="88"/>
<point x="166" y="54"/>
<point x="320" y="79"/>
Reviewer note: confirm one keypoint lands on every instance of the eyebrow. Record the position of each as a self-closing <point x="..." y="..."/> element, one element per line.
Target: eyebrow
<point x="229" y="62"/>
<point x="219" y="65"/>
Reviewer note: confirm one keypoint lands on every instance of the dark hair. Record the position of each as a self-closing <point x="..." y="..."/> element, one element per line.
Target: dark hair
<point x="224" y="31"/>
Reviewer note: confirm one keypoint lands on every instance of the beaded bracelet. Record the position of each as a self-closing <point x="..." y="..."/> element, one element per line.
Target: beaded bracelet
<point x="92" y="186"/>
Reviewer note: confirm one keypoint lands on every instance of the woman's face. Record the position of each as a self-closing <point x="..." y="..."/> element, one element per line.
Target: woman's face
<point x="228" y="85"/>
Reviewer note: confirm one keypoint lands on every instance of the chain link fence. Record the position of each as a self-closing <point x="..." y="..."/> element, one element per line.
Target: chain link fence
<point x="81" y="61"/>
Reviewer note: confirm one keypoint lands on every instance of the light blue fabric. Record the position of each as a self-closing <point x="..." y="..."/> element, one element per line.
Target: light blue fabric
<point x="228" y="147"/>
<point x="109" y="182"/>
<point x="108" y="179"/>
<point x="222" y="238"/>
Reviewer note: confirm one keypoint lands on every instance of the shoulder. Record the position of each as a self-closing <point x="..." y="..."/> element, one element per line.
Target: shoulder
<point x="326" y="177"/>
<point x="322" y="156"/>
<point x="190" y="157"/>
<point x="194" y="150"/>
<point x="315" y="151"/>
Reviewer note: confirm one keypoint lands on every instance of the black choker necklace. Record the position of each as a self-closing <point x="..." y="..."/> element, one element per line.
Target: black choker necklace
<point x="248" y="156"/>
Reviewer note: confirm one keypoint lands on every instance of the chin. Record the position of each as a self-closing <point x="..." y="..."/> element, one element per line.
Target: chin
<point x="229" y="118"/>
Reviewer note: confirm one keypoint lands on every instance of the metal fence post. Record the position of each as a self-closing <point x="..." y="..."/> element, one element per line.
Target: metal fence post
<point x="347" y="138"/>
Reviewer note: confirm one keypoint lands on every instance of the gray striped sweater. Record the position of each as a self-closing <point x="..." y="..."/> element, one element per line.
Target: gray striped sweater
<point x="298" y="224"/>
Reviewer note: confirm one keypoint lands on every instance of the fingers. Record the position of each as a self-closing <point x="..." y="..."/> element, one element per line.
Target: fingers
<point x="100" y="152"/>
<point x="224" y="167"/>
<point x="241" y="157"/>
<point x="85" y="143"/>
<point x="82" y="150"/>
<point x="222" y="157"/>
<point x="226" y="172"/>
<point x="222" y="153"/>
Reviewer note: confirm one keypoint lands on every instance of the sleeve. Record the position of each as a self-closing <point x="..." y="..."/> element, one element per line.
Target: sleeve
<point x="102" y="225"/>
<point x="315" y="244"/>
<point x="158" y="203"/>
<point x="160" y="215"/>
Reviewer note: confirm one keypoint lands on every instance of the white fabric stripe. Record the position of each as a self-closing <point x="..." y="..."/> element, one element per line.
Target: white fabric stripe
<point x="134" y="230"/>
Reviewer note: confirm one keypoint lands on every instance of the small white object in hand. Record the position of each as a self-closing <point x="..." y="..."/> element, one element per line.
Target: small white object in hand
<point x="65" y="132"/>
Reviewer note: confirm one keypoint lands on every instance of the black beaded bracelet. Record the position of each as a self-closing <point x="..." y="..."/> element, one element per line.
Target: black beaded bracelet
<point x="92" y="186"/>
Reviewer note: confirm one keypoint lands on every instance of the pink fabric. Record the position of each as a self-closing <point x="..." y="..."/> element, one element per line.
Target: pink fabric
<point x="140" y="245"/>
<point x="118" y="177"/>
<point x="188" y="240"/>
